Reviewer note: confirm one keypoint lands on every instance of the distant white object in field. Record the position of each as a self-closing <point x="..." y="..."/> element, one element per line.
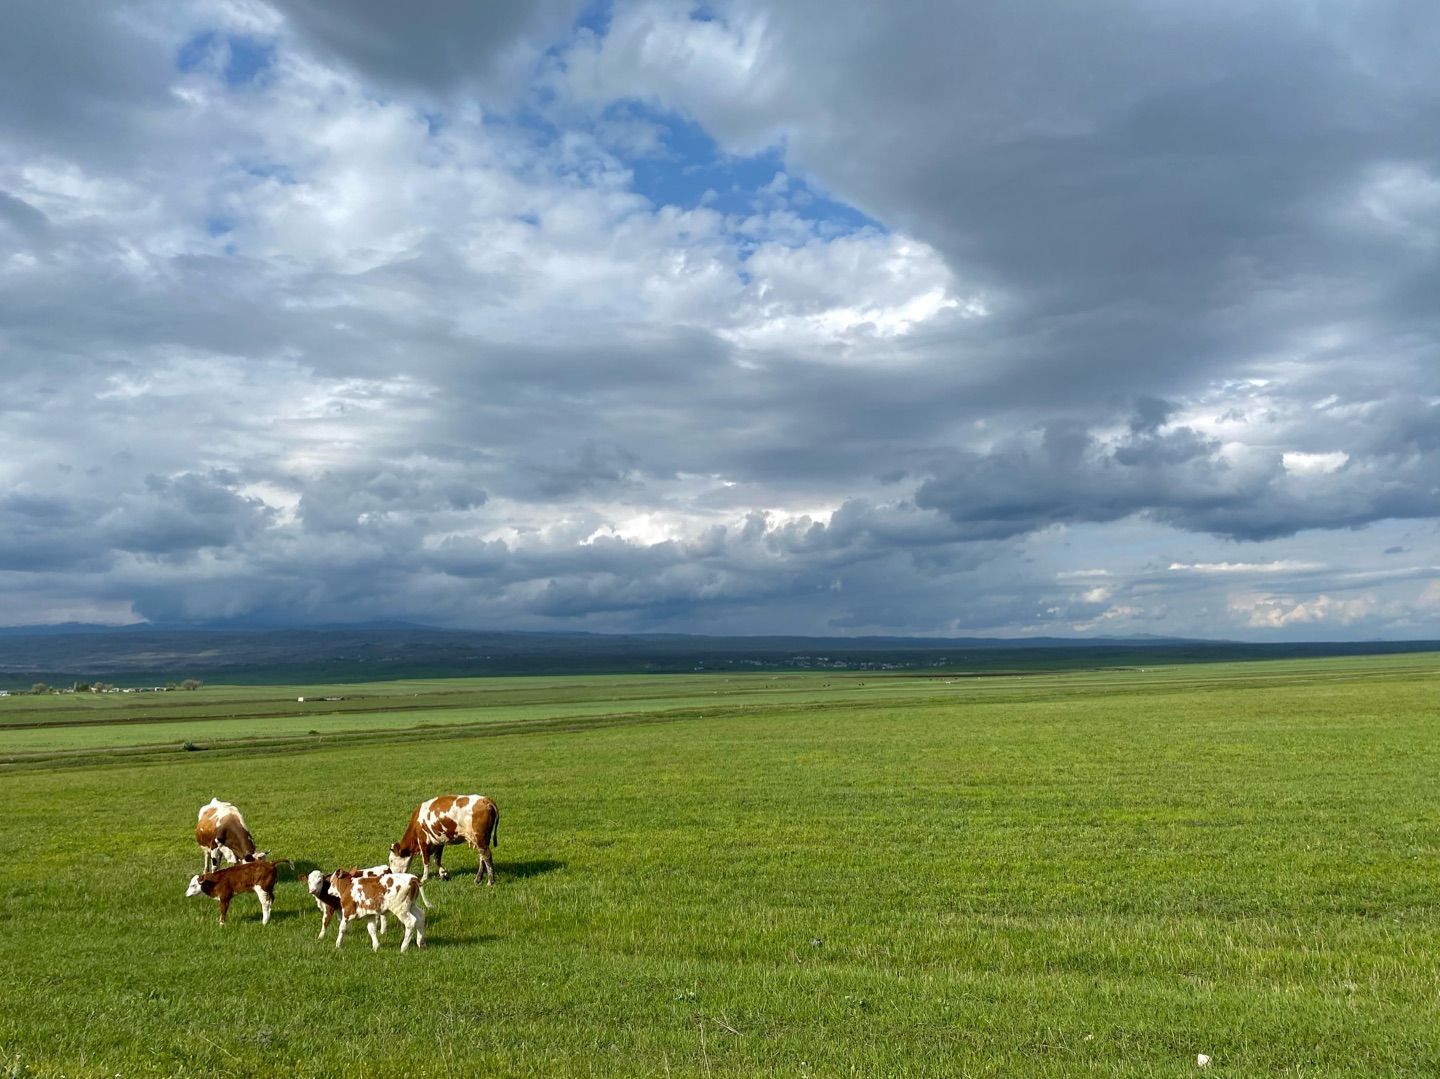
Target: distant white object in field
<point x="1201" y="1060"/>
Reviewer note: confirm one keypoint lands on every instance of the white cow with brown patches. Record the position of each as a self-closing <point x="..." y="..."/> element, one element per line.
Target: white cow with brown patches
<point x="472" y="819"/>
<point x="328" y="899"/>
<point x="220" y="830"/>
<point x="371" y="898"/>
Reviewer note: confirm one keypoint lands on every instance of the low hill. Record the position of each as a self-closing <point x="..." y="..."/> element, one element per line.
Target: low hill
<point x="146" y="653"/>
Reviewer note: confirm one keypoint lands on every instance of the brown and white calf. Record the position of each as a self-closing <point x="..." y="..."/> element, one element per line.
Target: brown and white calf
<point x="328" y="900"/>
<point x="450" y="818"/>
<point x="372" y="897"/>
<point x="220" y="830"/>
<point x="225" y="884"/>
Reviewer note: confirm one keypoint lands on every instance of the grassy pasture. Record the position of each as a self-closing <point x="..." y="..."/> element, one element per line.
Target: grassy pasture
<point x="1084" y="873"/>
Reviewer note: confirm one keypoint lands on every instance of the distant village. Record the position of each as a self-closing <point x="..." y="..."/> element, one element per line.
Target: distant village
<point x="808" y="663"/>
<point x="40" y="688"/>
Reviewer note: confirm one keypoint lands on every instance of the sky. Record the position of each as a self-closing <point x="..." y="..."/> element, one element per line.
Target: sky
<point x="930" y="318"/>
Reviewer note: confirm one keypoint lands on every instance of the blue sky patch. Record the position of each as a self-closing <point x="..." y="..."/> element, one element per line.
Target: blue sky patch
<point x="595" y="16"/>
<point x="694" y="171"/>
<point x="245" y="58"/>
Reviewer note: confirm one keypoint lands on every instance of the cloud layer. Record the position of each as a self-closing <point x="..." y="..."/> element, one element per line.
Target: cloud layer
<point x="944" y="319"/>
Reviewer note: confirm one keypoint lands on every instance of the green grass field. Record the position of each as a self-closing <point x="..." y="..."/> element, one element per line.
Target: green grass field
<point x="1078" y="873"/>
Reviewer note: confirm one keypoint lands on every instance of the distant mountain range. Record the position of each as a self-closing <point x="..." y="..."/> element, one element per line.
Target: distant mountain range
<point x="254" y="654"/>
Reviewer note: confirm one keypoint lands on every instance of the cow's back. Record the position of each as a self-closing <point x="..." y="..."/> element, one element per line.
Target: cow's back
<point x="207" y="825"/>
<point x="457" y="818"/>
<point x="221" y="825"/>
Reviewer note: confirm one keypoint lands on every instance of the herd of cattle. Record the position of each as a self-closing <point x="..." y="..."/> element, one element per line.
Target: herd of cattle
<point x="364" y="894"/>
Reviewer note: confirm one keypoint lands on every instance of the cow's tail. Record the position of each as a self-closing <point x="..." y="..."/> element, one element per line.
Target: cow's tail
<point x="424" y="898"/>
<point x="290" y="863"/>
<point x="495" y="827"/>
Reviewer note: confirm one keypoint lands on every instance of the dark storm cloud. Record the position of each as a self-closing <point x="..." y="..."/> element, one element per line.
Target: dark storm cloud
<point x="344" y="501"/>
<point x="28" y="223"/>
<point x="587" y="468"/>
<point x="180" y="515"/>
<point x="1157" y="197"/>
<point x="449" y="46"/>
<point x="1065" y="474"/>
<point x="80" y="78"/>
<point x="164" y="517"/>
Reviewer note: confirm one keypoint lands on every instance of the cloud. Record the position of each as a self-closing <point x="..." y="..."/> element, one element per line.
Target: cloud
<point x="455" y="46"/>
<point x="1275" y="612"/>
<point x="943" y="319"/>
<point x="1281" y="566"/>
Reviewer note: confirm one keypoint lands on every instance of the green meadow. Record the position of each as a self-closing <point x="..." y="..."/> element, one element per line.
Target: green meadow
<point x="1065" y="873"/>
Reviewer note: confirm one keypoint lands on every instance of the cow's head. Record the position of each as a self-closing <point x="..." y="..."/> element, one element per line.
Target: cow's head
<point x="200" y="882"/>
<point x="315" y="882"/>
<point x="400" y="858"/>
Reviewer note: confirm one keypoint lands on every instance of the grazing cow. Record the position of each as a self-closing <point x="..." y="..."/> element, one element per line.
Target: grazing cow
<point x="328" y="900"/>
<point x="370" y="898"/>
<point x="224" y="884"/>
<point x="451" y="818"/>
<point x="221" y="833"/>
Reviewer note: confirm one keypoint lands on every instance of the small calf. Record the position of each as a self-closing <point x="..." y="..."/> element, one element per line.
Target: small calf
<point x="223" y="884"/>
<point x="328" y="900"/>
<point x="372" y="897"/>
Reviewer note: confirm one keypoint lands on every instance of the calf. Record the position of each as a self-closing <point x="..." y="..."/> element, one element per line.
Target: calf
<point x="220" y="830"/>
<point x="223" y="884"/>
<point x="450" y="818"/>
<point x="370" y="898"/>
<point x="328" y="900"/>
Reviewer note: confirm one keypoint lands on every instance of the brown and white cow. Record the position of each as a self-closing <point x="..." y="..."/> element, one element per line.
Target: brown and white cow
<point x="450" y="818"/>
<point x="220" y="830"/>
<point x="225" y="884"/>
<point x="371" y="897"/>
<point x="328" y="900"/>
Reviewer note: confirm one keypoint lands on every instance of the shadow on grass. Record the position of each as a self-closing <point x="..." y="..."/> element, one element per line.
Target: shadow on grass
<point x="536" y="867"/>
<point x="504" y="871"/>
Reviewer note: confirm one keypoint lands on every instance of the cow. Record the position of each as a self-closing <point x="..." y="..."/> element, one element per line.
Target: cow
<point x="222" y="835"/>
<point x="225" y="884"/>
<point x="328" y="900"/>
<point x="438" y="822"/>
<point x="368" y="897"/>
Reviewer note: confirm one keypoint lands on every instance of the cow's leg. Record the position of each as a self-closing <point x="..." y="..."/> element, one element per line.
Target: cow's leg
<point x="419" y="914"/>
<point x="440" y="853"/>
<point x="383" y="923"/>
<point x="340" y="936"/>
<point x="324" y="920"/>
<point x="209" y="859"/>
<point x="485" y="868"/>
<point x="407" y="919"/>
<point x="267" y="900"/>
<point x="224" y="907"/>
<point x="374" y="936"/>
